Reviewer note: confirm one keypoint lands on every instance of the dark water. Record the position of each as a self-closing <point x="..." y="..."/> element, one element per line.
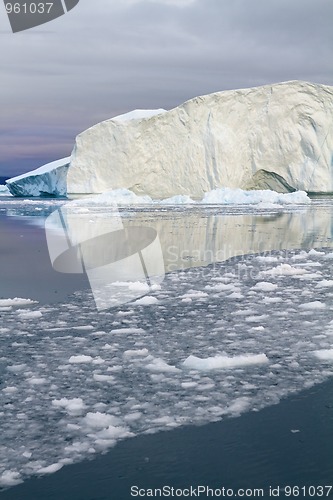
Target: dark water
<point x="256" y="450"/>
<point x="26" y="269"/>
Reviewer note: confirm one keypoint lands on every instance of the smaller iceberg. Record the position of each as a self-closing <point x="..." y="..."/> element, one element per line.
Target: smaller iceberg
<point x="4" y="191"/>
<point x="48" y="180"/>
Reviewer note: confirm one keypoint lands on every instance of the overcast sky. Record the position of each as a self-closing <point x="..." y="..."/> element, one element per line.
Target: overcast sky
<point x="106" y="57"/>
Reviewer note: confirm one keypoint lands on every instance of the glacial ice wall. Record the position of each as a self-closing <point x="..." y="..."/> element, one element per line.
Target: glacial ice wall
<point x="276" y="136"/>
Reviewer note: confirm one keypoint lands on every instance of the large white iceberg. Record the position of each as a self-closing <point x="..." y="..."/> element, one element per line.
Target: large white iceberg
<point x="48" y="180"/>
<point x="276" y="137"/>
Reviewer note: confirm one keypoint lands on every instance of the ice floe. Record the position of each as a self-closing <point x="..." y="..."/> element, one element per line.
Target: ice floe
<point x="74" y="383"/>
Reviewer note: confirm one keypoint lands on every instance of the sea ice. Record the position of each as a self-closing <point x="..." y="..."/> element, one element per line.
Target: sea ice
<point x="325" y="354"/>
<point x="71" y="390"/>
<point x="224" y="362"/>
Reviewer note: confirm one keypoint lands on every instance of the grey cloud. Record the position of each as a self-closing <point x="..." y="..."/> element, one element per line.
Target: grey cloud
<point x="108" y="57"/>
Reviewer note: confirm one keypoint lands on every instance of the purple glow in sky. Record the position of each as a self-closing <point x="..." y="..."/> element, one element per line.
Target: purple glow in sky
<point x="107" y="57"/>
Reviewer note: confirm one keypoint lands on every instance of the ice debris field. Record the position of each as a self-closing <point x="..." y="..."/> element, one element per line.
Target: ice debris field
<point x="264" y="198"/>
<point x="209" y="343"/>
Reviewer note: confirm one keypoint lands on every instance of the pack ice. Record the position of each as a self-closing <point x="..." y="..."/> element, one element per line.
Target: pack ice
<point x="277" y="137"/>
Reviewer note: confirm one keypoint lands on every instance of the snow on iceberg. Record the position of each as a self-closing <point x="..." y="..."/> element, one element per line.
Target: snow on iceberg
<point x="48" y="180"/>
<point x="138" y="114"/>
<point x="276" y="137"/>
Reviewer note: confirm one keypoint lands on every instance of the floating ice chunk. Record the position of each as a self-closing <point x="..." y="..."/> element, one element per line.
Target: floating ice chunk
<point x="256" y="319"/>
<point x="226" y="196"/>
<point x="235" y="295"/>
<point x="37" y="381"/>
<point x="50" y="469"/>
<point x="316" y="304"/>
<point x="310" y="276"/>
<point x="265" y="286"/>
<point x="98" y="361"/>
<point x="284" y="270"/>
<point x="10" y="478"/>
<point x="17" y="368"/>
<point x="136" y="352"/>
<point x="113" y="432"/>
<point x="324" y="354"/>
<point x="132" y="417"/>
<point x="10" y="390"/>
<point x="159" y="365"/>
<point x="258" y="329"/>
<point x="271" y="300"/>
<point x="224" y="362"/>
<point x="324" y="284"/>
<point x="80" y="359"/>
<point x="74" y="406"/>
<point x="240" y="405"/>
<point x="146" y="301"/>
<point x="165" y="421"/>
<point x="329" y="255"/>
<point x="83" y="328"/>
<point x="221" y="287"/>
<point x="139" y="286"/>
<point x="194" y="294"/>
<point x="103" y="378"/>
<point x="29" y="314"/>
<point x="17" y="302"/>
<point x="189" y="385"/>
<point x="266" y="259"/>
<point x="315" y="252"/>
<point x="127" y="330"/>
<point x="99" y="420"/>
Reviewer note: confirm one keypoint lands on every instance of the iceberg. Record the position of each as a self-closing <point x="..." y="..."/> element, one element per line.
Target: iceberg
<point x="48" y="180"/>
<point x="271" y="138"/>
<point x="277" y="137"/>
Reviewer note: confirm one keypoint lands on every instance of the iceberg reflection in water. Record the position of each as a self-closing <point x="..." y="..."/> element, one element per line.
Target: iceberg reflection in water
<point x="193" y="236"/>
